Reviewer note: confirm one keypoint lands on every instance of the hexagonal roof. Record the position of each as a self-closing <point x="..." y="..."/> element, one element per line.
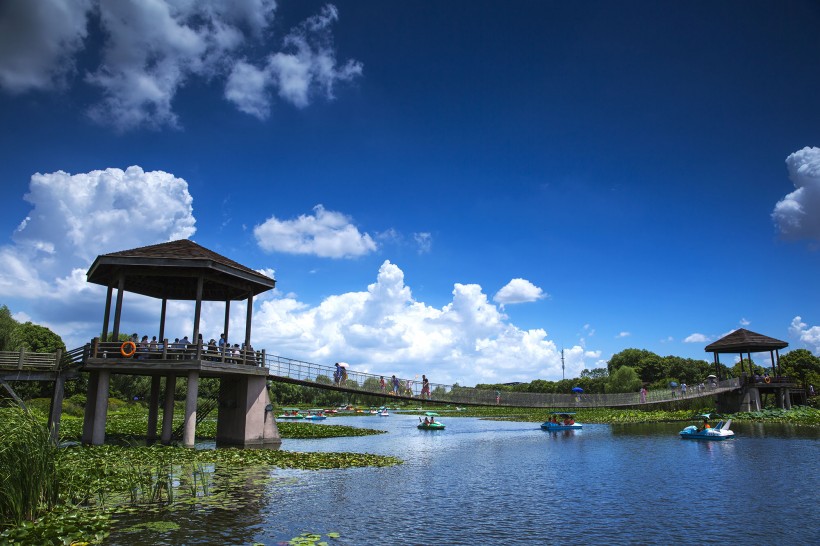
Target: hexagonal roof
<point x="170" y="270"/>
<point x="745" y="341"/>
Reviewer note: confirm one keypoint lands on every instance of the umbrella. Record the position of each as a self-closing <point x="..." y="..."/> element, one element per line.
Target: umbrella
<point x="344" y="365"/>
<point x="711" y="376"/>
<point x="577" y="389"/>
<point x="673" y="384"/>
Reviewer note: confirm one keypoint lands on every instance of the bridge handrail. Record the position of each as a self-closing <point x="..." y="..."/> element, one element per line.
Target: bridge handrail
<point x="367" y="383"/>
<point x="29" y="361"/>
<point x="165" y="350"/>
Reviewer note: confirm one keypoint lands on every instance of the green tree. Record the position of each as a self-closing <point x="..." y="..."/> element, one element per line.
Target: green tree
<point x="628" y="357"/>
<point x="742" y="366"/>
<point x="802" y="365"/>
<point x="36" y="338"/>
<point x="7" y="327"/>
<point x="624" y="379"/>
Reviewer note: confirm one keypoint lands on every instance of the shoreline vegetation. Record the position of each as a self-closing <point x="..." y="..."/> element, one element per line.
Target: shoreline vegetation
<point x="73" y="494"/>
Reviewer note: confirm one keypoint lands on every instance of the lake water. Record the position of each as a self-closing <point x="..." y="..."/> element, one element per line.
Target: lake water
<point x="497" y="482"/>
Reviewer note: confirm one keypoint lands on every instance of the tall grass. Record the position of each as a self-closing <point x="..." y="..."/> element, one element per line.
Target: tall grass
<point x="28" y="470"/>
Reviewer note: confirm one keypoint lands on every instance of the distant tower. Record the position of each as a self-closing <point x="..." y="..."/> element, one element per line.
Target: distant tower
<point x="562" y="364"/>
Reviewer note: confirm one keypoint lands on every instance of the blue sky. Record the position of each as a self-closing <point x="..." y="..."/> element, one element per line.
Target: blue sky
<point x="460" y="189"/>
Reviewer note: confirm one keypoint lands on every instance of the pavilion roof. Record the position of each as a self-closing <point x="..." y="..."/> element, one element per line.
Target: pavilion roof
<point x="745" y="341"/>
<point x="170" y="270"/>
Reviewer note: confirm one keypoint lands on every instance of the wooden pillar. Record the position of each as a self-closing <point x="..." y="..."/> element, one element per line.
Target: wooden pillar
<point x="90" y="404"/>
<point x="168" y="409"/>
<point x="162" y="320"/>
<point x="118" y="307"/>
<point x="717" y="365"/>
<point x="771" y="358"/>
<point x="101" y="408"/>
<point x="189" y="434"/>
<point x="107" y="314"/>
<point x="777" y="355"/>
<point x="153" y="409"/>
<point x="227" y="320"/>
<point x="198" y="308"/>
<point x="248" y="317"/>
<point x="56" y="410"/>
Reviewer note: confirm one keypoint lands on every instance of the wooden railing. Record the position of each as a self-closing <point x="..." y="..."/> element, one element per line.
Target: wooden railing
<point x="23" y="360"/>
<point x="175" y="351"/>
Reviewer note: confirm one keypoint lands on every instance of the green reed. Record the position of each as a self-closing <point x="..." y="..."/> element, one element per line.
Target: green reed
<point x="28" y="470"/>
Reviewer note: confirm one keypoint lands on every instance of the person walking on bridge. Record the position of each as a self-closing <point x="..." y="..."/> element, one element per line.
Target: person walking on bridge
<point x="425" y="387"/>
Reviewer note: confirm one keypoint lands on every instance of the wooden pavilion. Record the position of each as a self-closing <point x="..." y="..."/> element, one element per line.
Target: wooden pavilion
<point x="745" y="342"/>
<point x="181" y="270"/>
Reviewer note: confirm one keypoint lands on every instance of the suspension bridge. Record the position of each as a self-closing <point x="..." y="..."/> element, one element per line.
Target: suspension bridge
<point x="42" y="366"/>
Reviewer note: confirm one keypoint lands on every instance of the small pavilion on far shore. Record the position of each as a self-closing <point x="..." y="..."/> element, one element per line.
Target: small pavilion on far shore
<point x="745" y="342"/>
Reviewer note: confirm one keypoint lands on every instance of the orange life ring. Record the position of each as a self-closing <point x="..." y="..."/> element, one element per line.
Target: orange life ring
<point x="124" y="352"/>
<point x="767" y="379"/>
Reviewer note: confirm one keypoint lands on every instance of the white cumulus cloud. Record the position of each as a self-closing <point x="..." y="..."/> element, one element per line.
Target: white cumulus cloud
<point x="385" y="330"/>
<point x="38" y="41"/>
<point x="327" y="234"/>
<point x="306" y="67"/>
<point x="696" y="338"/>
<point x="152" y="48"/>
<point x="76" y="217"/>
<point x="809" y="336"/>
<point x="797" y="215"/>
<point x="518" y="291"/>
<point x="623" y="334"/>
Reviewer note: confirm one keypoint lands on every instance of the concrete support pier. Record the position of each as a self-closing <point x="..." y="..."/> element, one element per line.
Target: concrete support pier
<point x="245" y="416"/>
<point x="168" y="410"/>
<point x="153" y="409"/>
<point x="189" y="433"/>
<point x="101" y="408"/>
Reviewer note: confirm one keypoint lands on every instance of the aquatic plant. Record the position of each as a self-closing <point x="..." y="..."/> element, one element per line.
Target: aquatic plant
<point x="28" y="473"/>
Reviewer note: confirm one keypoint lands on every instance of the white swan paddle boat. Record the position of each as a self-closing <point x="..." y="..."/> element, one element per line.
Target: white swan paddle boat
<point x="718" y="432"/>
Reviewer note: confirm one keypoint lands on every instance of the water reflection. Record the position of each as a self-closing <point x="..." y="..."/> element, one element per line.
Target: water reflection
<point x="493" y="482"/>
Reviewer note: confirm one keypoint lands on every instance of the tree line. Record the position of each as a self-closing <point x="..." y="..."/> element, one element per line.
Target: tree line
<point x="631" y="369"/>
<point x="626" y="371"/>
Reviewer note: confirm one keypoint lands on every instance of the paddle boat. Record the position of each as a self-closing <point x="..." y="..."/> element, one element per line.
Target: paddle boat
<point x="429" y="422"/>
<point x="718" y="432"/>
<point x="319" y="415"/>
<point x="290" y="413"/>
<point x="561" y="420"/>
<point x="383" y="412"/>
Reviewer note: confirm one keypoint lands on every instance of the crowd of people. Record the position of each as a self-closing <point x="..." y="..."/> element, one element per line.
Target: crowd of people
<point x="213" y="350"/>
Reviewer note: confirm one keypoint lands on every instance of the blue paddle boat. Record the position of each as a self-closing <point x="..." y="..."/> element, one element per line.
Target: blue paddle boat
<point x="561" y="420"/>
<point x="319" y="415"/>
<point x="706" y="432"/>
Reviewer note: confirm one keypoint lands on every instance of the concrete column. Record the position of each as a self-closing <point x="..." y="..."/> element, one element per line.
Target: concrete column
<point x="189" y="434"/>
<point x="90" y="404"/>
<point x="787" y="398"/>
<point x="168" y="410"/>
<point x="244" y="419"/>
<point x="101" y="408"/>
<point x="153" y="409"/>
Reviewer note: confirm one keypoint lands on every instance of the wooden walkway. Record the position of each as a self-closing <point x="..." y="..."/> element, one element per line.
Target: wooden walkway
<point x="43" y="366"/>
